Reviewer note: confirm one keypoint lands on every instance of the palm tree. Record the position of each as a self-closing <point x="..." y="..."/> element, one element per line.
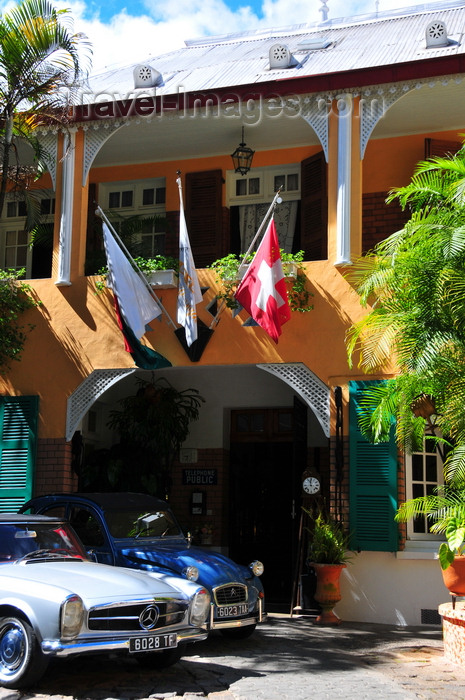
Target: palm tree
<point x="414" y="282"/>
<point x="40" y="61"/>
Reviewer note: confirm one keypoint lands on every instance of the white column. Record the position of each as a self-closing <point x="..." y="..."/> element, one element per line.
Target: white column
<point x="344" y="150"/>
<point x="66" y="213"/>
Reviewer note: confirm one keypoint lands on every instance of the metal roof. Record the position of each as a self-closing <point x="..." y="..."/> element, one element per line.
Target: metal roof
<point x="240" y="59"/>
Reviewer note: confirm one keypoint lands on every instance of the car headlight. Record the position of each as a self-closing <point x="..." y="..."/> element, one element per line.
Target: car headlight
<point x="200" y="608"/>
<point x="191" y="573"/>
<point x="257" y="567"/>
<point x="72" y="616"/>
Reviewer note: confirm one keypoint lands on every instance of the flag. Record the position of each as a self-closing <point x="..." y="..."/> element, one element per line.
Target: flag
<point x="136" y="304"/>
<point x="143" y="356"/>
<point x="262" y="291"/>
<point x="189" y="293"/>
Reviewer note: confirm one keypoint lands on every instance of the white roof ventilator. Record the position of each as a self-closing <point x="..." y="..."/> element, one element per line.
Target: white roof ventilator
<point x="280" y="56"/>
<point x="436" y="34"/>
<point x="147" y="77"/>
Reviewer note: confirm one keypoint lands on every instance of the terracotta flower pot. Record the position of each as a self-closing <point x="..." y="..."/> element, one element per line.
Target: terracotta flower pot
<point x="454" y="577"/>
<point x="328" y="592"/>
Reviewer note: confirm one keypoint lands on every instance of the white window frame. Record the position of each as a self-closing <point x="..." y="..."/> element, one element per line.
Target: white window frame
<point x="137" y="188"/>
<point x="16" y="224"/>
<point x="266" y="177"/>
<point x="422" y="536"/>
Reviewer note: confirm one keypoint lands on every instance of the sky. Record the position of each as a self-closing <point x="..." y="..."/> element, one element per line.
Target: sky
<point x="126" y="32"/>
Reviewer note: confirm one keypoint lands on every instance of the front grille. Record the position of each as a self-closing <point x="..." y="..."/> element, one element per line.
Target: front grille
<point x="125" y="618"/>
<point x="230" y="594"/>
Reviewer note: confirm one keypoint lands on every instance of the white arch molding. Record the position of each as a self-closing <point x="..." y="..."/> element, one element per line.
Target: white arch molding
<point x="88" y="392"/>
<point x="310" y="388"/>
<point x="304" y="382"/>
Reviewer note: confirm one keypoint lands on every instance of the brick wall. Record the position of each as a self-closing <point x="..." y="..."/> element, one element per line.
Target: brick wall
<point x="379" y="219"/>
<point x="53" y="467"/>
<point x="217" y="495"/>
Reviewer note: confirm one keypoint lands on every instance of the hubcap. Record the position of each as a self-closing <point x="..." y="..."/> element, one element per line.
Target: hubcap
<point x="11" y="649"/>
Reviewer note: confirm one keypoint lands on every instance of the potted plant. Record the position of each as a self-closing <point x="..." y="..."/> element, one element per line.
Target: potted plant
<point x="328" y="554"/>
<point x="161" y="272"/>
<point x="230" y="270"/>
<point x="445" y="509"/>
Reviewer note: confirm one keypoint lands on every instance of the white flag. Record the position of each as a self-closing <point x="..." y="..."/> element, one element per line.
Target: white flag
<point x="189" y="293"/>
<point x="136" y="303"/>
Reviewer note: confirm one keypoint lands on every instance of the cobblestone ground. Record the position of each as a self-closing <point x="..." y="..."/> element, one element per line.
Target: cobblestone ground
<point x="287" y="658"/>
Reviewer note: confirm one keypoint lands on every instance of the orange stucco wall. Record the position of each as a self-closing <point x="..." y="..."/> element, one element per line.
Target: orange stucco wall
<point x="75" y="332"/>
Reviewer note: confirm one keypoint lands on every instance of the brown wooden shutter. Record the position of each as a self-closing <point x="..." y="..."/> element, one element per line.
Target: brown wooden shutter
<point x="440" y="147"/>
<point x="204" y="216"/>
<point x="314" y="208"/>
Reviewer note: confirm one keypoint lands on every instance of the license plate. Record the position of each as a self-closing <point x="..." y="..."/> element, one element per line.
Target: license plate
<point x="153" y="642"/>
<point x="232" y="610"/>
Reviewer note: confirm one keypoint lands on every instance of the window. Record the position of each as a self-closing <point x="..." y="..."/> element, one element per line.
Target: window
<point x="423" y="473"/>
<point x="144" y="198"/>
<point x="261" y="184"/>
<point x="15" y="251"/>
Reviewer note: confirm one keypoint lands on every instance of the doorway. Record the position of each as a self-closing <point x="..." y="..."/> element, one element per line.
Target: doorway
<point x="265" y="497"/>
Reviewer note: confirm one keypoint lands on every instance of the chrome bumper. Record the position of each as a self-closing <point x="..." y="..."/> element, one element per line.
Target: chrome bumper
<point x="258" y="616"/>
<point x="57" y="647"/>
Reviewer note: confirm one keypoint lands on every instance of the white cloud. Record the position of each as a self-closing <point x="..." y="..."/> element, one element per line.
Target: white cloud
<point x="128" y="39"/>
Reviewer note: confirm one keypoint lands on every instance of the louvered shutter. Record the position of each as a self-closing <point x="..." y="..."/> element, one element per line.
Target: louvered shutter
<point x="373" y="485"/>
<point x="314" y="208"/>
<point x="204" y="216"/>
<point x="18" y="442"/>
<point x="441" y="147"/>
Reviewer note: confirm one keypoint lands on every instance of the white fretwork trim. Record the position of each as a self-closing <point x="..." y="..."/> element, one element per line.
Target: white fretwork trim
<point x="49" y="143"/>
<point x="312" y="390"/>
<point x="95" y="136"/>
<point x="315" y="110"/>
<point x="87" y="393"/>
<point x="376" y="100"/>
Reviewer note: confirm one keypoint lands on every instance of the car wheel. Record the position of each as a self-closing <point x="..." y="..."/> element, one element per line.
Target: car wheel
<point x="239" y="632"/>
<point x="21" y="661"/>
<point x="160" y="659"/>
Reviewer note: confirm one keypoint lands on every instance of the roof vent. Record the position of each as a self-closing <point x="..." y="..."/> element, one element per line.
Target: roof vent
<point x="147" y="77"/>
<point x="280" y="56"/>
<point x="313" y="43"/>
<point x="436" y="34"/>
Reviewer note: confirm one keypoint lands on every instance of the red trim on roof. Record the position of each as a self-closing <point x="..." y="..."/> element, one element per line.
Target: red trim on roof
<point x="328" y="82"/>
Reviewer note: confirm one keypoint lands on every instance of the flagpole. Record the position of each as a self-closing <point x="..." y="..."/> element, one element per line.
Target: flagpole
<point x="260" y="228"/>
<point x="101" y="213"/>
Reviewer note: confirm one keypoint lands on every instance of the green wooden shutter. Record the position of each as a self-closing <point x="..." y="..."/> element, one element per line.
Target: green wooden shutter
<point x="18" y="442"/>
<point x="373" y="485"/>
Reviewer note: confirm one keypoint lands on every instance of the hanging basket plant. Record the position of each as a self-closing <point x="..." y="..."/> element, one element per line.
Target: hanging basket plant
<point x="231" y="268"/>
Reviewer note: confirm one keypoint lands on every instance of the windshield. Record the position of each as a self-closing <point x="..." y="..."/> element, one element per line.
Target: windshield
<point x="142" y="524"/>
<point x="19" y="540"/>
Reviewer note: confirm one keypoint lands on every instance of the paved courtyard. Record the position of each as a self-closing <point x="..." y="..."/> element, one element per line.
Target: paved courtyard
<point x="288" y="658"/>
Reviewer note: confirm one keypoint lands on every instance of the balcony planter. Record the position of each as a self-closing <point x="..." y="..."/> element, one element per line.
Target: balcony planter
<point x="162" y="279"/>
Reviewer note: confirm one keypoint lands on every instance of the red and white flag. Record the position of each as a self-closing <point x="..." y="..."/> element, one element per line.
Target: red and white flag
<point x="262" y="291"/>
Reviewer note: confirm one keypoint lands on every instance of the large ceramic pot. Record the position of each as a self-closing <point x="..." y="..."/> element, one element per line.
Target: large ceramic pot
<point x="327" y="592"/>
<point x="454" y="577"/>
